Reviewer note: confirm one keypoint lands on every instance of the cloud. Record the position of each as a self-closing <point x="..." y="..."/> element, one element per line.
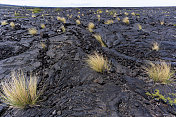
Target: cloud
<point x="90" y="3"/>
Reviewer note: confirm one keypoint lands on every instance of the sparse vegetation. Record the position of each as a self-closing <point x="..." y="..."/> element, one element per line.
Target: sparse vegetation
<point x="98" y="63"/>
<point x="126" y="20"/>
<point x="126" y="13"/>
<point x="4" y="23"/>
<point x="19" y="91"/>
<point x="63" y="28"/>
<point x="32" y="31"/>
<point x="36" y="10"/>
<point x="33" y="15"/>
<point x="155" y="46"/>
<point x="70" y="16"/>
<point x="111" y="12"/>
<point x="21" y="17"/>
<point x="137" y="14"/>
<point x="162" y="22"/>
<point x="78" y="16"/>
<point x="170" y="97"/>
<point x="160" y="72"/>
<point x="91" y="26"/>
<point x="118" y="18"/>
<point x="12" y="24"/>
<point x="98" y="16"/>
<point x="17" y="14"/>
<point x="98" y="38"/>
<point x="78" y="22"/>
<point x="115" y="15"/>
<point x="133" y="14"/>
<point x="109" y="22"/>
<point x="62" y="19"/>
<point x="42" y="26"/>
<point x="58" y="9"/>
<point x="99" y="11"/>
<point x="43" y="45"/>
<point x="139" y="27"/>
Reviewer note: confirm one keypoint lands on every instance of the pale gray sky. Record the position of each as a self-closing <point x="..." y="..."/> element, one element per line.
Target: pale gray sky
<point x="90" y="3"/>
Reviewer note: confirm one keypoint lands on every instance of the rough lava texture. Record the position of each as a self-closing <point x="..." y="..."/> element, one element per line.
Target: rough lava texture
<point x="72" y="89"/>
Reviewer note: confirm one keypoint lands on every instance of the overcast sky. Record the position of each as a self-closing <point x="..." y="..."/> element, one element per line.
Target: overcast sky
<point x="90" y="3"/>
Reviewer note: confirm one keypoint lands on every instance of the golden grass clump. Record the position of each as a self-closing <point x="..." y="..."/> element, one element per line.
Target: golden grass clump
<point x="78" y="17"/>
<point x="98" y="63"/>
<point x="99" y="11"/>
<point x="70" y="16"/>
<point x="78" y="22"/>
<point x="115" y="15"/>
<point x="126" y="13"/>
<point x="42" y="26"/>
<point x="118" y="18"/>
<point x="133" y="14"/>
<point x="33" y="15"/>
<point x="32" y="31"/>
<point x="16" y="14"/>
<point x="126" y="20"/>
<point x="62" y="19"/>
<point x="91" y="26"/>
<point x="155" y="46"/>
<point x="19" y="91"/>
<point x="109" y="22"/>
<point x="98" y="38"/>
<point x="63" y="28"/>
<point x="162" y="22"/>
<point x="12" y="24"/>
<point x="43" y="45"/>
<point x="160" y="72"/>
<point x="139" y="27"/>
<point x="98" y="16"/>
<point x="4" y="23"/>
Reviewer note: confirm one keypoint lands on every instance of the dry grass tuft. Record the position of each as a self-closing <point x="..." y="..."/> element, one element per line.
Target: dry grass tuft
<point x="109" y="22"/>
<point x="155" y="46"/>
<point x="91" y="26"/>
<point x="160" y="72"/>
<point x="78" y="17"/>
<point x="43" y="45"/>
<point x="63" y="28"/>
<point x="126" y="20"/>
<point x="133" y="14"/>
<point x="12" y="24"/>
<point x="98" y="16"/>
<point x="98" y="38"/>
<point x="70" y="16"/>
<point x="115" y="15"/>
<point x="118" y="18"/>
<point x="78" y="22"/>
<point x="4" y="23"/>
<point x="126" y="13"/>
<point x="162" y="22"/>
<point x="98" y="63"/>
<point x="33" y="15"/>
<point x="42" y="26"/>
<point x="139" y="27"/>
<point x="62" y="19"/>
<point x="19" y="92"/>
<point x="32" y="31"/>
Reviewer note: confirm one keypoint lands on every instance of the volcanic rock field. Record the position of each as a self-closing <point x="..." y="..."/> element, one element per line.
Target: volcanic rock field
<point x="57" y="57"/>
